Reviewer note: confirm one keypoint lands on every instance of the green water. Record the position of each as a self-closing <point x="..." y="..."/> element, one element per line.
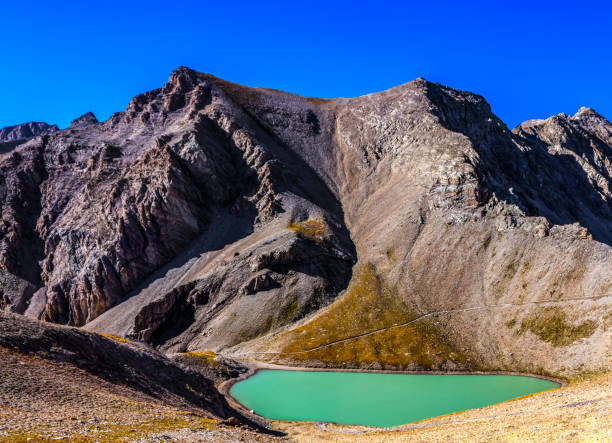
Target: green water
<point x="375" y="399"/>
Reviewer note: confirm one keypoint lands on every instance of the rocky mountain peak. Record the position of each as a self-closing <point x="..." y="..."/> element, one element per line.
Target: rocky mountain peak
<point x="595" y="123"/>
<point x="209" y="213"/>
<point x="181" y="80"/>
<point x="84" y="120"/>
<point x="561" y="128"/>
<point x="586" y="111"/>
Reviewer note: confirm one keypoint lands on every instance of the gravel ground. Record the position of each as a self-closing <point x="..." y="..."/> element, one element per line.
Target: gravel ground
<point x="47" y="400"/>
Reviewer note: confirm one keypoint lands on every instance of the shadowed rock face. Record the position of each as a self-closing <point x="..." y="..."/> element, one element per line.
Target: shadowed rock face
<point x="183" y="173"/>
<point x="208" y="214"/>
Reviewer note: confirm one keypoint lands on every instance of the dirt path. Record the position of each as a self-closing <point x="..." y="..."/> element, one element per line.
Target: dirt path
<point x="429" y="314"/>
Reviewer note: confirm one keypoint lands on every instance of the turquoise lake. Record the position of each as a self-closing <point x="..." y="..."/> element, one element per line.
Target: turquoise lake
<point x="375" y="399"/>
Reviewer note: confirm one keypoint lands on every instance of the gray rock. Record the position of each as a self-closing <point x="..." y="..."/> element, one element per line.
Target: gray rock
<point x="169" y="222"/>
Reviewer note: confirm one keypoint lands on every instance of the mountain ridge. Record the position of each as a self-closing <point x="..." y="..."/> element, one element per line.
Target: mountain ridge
<point x="218" y="216"/>
<point x="12" y="136"/>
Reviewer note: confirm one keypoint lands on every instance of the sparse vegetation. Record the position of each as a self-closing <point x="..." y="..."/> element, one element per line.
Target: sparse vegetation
<point x="552" y="326"/>
<point x="370" y="304"/>
<point x="389" y="253"/>
<point x="313" y="229"/>
<point x="289" y="311"/>
<point x="526" y="266"/>
<point x="510" y="269"/>
<point x="269" y="323"/>
<point x="207" y="356"/>
<point x="487" y="241"/>
<point x="112" y="432"/>
<point x="113" y="337"/>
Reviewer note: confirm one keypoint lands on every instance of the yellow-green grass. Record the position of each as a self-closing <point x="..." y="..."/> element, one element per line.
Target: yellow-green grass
<point x="205" y="356"/>
<point x="313" y="229"/>
<point x="369" y="305"/>
<point x="113" y="337"/>
<point x="550" y="324"/>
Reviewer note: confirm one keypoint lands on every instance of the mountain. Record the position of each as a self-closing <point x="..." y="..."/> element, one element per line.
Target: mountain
<point x="25" y="131"/>
<point x="403" y="229"/>
<point x="12" y="136"/>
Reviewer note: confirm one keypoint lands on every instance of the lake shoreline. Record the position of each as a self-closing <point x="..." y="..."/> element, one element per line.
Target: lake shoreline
<point x="255" y="366"/>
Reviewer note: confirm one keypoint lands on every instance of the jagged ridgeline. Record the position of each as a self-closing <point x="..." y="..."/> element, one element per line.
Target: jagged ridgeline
<point x="404" y="229"/>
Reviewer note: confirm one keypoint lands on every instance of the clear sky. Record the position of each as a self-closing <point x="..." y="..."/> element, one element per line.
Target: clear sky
<point x="60" y="59"/>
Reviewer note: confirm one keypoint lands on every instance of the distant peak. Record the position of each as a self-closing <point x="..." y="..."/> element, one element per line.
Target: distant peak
<point x="85" y="119"/>
<point x="182" y="78"/>
<point x="25" y="131"/>
<point x="183" y="70"/>
<point x="585" y="111"/>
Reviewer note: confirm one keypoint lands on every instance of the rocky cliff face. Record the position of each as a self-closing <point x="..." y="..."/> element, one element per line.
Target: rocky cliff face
<point x="93" y="211"/>
<point x="209" y="215"/>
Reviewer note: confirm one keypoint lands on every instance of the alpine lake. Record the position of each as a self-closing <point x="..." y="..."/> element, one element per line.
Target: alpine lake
<point x="375" y="399"/>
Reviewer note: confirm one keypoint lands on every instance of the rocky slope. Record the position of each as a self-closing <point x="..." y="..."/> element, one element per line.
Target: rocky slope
<point x="408" y="228"/>
<point x="113" y="359"/>
<point x="11" y="136"/>
<point x="61" y="382"/>
<point x="480" y="248"/>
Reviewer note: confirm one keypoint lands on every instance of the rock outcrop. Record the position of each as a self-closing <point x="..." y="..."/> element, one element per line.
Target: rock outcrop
<point x="84" y="120"/>
<point x="209" y="215"/>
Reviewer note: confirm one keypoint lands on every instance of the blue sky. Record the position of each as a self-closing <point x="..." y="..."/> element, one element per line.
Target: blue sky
<point x="528" y="59"/>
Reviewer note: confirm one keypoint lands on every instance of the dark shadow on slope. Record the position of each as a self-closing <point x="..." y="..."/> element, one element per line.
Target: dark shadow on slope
<point x="178" y="320"/>
<point x="213" y="239"/>
<point x="539" y="183"/>
<point x="131" y="365"/>
<point x="297" y="177"/>
<point x="288" y="174"/>
<point x="9" y="146"/>
<point x="22" y="174"/>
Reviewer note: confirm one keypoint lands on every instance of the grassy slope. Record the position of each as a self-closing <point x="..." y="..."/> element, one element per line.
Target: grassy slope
<point x="369" y="305"/>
